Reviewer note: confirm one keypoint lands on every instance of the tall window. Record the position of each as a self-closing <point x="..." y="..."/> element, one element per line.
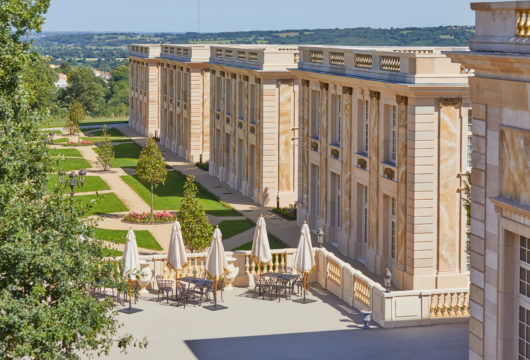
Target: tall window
<point x="393" y="134"/>
<point x="524" y="298"/>
<point x="228" y="97"/>
<point x="364" y="213"/>
<point x="179" y="83"/>
<point x="171" y="83"/>
<point x="218" y="93"/>
<point x="186" y="86"/>
<point x="315" y="114"/>
<point x="335" y="119"/>
<point x="393" y="228"/>
<point x="469" y="136"/>
<point x="252" y="97"/>
<point x="365" y="126"/>
<point x="241" y="100"/>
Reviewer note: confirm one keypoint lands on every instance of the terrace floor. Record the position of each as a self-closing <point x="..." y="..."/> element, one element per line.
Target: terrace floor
<point x="267" y="329"/>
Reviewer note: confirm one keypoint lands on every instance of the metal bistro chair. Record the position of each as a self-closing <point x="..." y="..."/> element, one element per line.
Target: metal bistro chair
<point x="260" y="285"/>
<point x="164" y="286"/>
<point x="182" y="293"/>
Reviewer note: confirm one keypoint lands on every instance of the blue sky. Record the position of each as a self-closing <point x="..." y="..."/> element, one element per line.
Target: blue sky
<point x="181" y="15"/>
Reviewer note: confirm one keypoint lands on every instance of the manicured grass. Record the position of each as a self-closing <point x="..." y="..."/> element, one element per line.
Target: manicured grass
<point x="144" y="239"/>
<point x="101" y="204"/>
<point x="60" y="141"/>
<point x="92" y="183"/>
<point x="112" y="132"/>
<point x="274" y="243"/>
<point x="126" y="155"/>
<point x="230" y="228"/>
<point x="169" y="196"/>
<point x="61" y="122"/>
<point x="65" y="152"/>
<point x="72" y="164"/>
<point x="111" y="252"/>
<point x="56" y="132"/>
<point x="100" y="139"/>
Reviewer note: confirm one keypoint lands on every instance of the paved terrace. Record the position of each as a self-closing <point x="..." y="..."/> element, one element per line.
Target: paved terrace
<point x="268" y="329"/>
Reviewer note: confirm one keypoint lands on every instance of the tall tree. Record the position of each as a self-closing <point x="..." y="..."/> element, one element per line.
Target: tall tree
<point x="76" y="114"/>
<point x="45" y="271"/>
<point x="196" y="229"/>
<point x="39" y="81"/>
<point x="151" y="167"/>
<point x="84" y="86"/>
<point x="105" y="151"/>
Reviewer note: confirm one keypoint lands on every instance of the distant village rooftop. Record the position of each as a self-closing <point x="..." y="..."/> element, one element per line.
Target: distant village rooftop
<point x="409" y="65"/>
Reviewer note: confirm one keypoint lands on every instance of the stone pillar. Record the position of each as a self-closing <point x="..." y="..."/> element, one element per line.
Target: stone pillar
<point x="324" y="153"/>
<point x="401" y="201"/>
<point x="346" y="163"/>
<point x="233" y="137"/>
<point x="259" y="120"/>
<point x="449" y="182"/>
<point x="285" y="142"/>
<point x="304" y="148"/>
<point x="246" y="147"/>
<point x="373" y="188"/>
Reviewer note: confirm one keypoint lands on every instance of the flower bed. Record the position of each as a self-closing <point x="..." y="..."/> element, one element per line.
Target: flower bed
<point x="82" y="143"/>
<point x="159" y="217"/>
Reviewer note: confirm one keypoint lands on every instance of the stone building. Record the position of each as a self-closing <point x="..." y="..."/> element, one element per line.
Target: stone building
<point x="143" y="89"/>
<point x="383" y="152"/>
<point x="184" y="111"/>
<point x="253" y="99"/>
<point x="500" y="211"/>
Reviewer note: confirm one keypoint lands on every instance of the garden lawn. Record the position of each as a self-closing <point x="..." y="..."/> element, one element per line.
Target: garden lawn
<point x="274" y="243"/>
<point x="230" y="228"/>
<point x="111" y="252"/>
<point x="126" y="155"/>
<point x="101" y="204"/>
<point x="112" y="132"/>
<point x="61" y="140"/>
<point x="65" y="152"/>
<point x="169" y="196"/>
<point x="92" y="183"/>
<point x="69" y="164"/>
<point x="100" y="139"/>
<point x="144" y="238"/>
<point x="61" y="122"/>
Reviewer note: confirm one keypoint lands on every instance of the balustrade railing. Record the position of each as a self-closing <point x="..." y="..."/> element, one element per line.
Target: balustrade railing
<point x="361" y="290"/>
<point x="334" y="272"/>
<point x="277" y="263"/>
<point x="522" y="27"/>
<point x="336" y="58"/>
<point x="316" y="57"/>
<point x="390" y="63"/>
<point x="449" y="303"/>
<point x="363" y="61"/>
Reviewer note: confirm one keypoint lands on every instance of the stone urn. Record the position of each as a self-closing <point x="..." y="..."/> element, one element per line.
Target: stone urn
<point x="145" y="276"/>
<point x="232" y="273"/>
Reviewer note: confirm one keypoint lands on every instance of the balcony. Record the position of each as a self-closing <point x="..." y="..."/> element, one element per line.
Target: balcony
<point x="290" y="329"/>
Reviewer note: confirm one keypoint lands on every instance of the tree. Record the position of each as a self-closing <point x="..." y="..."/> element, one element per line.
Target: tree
<point x="105" y="151"/>
<point x="46" y="311"/>
<point x="196" y="229"/>
<point x="151" y="167"/>
<point x="76" y="114"/>
<point x="39" y="81"/>
<point x="84" y="86"/>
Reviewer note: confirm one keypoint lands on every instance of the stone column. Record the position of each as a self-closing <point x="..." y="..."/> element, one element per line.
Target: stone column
<point x="259" y="120"/>
<point x="323" y="151"/>
<point x="346" y="161"/>
<point x="303" y="148"/>
<point x="401" y="201"/>
<point x="285" y="136"/>
<point x="373" y="153"/>
<point x="449" y="183"/>
<point x="246" y="147"/>
<point x="233" y="138"/>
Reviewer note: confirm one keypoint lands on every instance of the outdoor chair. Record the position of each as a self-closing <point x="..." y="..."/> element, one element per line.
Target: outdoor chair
<point x="299" y="283"/>
<point x="182" y="293"/>
<point x="260" y="285"/>
<point x="135" y="288"/>
<point x="164" y="286"/>
<point x="279" y="287"/>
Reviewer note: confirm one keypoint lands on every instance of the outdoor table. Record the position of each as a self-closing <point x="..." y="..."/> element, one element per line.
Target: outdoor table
<point x="200" y="286"/>
<point x="285" y="279"/>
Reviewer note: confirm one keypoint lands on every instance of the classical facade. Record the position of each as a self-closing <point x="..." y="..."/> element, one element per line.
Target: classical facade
<point x="383" y="153"/>
<point x="253" y="100"/>
<point x="500" y="211"/>
<point x="143" y="89"/>
<point x="184" y="112"/>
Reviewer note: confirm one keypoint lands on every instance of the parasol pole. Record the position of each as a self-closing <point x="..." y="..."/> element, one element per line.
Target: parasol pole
<point x="215" y="293"/>
<point x="305" y="276"/>
<point x="130" y="292"/>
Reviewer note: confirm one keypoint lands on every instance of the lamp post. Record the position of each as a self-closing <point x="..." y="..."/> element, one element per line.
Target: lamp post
<point x="387" y="276"/>
<point x="50" y="137"/>
<point x="74" y="181"/>
<point x="320" y="237"/>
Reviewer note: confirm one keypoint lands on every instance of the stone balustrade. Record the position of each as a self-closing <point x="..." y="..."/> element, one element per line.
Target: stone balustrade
<point x="186" y="52"/>
<point x="402" y="64"/>
<point x="501" y="27"/>
<point x="147" y="51"/>
<point x="262" y="57"/>
<point x="389" y="309"/>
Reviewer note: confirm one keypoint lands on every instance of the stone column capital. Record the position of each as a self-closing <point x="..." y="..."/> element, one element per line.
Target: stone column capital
<point x="375" y="95"/>
<point x="324" y="86"/>
<point x="400" y="99"/>
<point x="455" y="102"/>
<point x="347" y="90"/>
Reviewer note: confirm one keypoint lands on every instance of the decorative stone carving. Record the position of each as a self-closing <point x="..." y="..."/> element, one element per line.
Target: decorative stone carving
<point x="454" y="102"/>
<point x="389" y="173"/>
<point x="362" y="163"/>
<point x="335" y="153"/>
<point x="233" y="271"/>
<point x="375" y="95"/>
<point x="314" y="145"/>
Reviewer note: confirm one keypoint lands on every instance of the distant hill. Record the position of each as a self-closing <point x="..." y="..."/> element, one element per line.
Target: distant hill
<point x="104" y="50"/>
